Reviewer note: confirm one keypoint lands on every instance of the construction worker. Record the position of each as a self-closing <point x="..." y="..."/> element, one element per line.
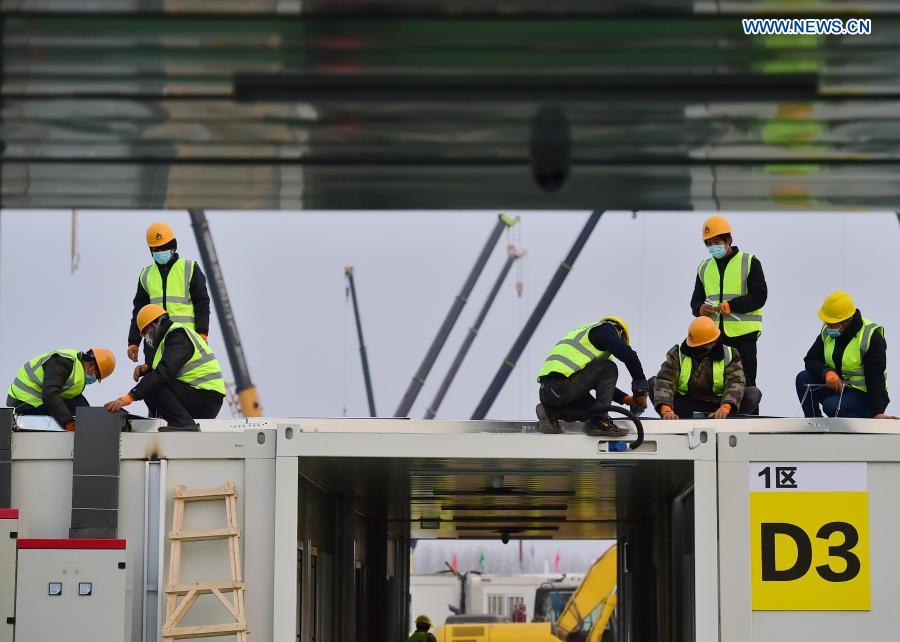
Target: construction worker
<point x="846" y="367"/>
<point x="581" y="362"/>
<point x="53" y="383"/>
<point x="422" y="634"/>
<point x="730" y="288"/>
<point x="183" y="382"/>
<point x="172" y="282"/>
<point x="703" y="375"/>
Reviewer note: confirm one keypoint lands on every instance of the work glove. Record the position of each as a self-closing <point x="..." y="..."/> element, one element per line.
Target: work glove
<point x="636" y="402"/>
<point x="725" y="308"/>
<point x="833" y="381"/>
<point x="117" y="404"/>
<point x="204" y="337"/>
<point x="666" y="412"/>
<point x="706" y="310"/>
<point x="70" y="427"/>
<point x="881" y="415"/>
<point x="140" y="371"/>
<point x="721" y="413"/>
<point x="133" y="352"/>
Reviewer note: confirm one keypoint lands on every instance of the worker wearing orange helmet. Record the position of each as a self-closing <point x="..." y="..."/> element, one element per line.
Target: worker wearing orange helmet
<point x="53" y="383"/>
<point x="703" y="375"/>
<point x="730" y="288"/>
<point x="174" y="283"/>
<point x="183" y="382"/>
<point x="845" y="372"/>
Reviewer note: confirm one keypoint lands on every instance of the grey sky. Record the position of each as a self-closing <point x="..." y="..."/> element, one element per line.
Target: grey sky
<point x="285" y="276"/>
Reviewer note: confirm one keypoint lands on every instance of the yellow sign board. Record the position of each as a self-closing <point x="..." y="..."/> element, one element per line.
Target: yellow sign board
<point x="809" y="537"/>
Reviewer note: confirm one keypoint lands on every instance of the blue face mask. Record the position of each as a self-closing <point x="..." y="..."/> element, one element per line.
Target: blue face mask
<point x="834" y="333"/>
<point x="717" y="251"/>
<point x="89" y="379"/>
<point x="162" y="257"/>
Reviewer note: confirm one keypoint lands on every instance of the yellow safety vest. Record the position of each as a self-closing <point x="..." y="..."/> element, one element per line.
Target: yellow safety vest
<point x="29" y="383"/>
<point x="177" y="301"/>
<point x="687" y="365"/>
<point x="572" y="353"/>
<point x="733" y="285"/>
<point x="202" y="370"/>
<point x="852" y="360"/>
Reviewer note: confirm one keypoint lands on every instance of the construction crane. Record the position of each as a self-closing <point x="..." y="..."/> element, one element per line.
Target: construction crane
<point x="370" y="395"/>
<point x="246" y="391"/>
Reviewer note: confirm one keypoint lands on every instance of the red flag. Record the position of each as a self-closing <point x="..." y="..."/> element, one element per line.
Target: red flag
<point x="454" y="564"/>
<point x="557" y="562"/>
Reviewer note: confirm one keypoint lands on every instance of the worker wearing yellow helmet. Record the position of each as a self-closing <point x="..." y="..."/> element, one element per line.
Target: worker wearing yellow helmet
<point x="845" y="372"/>
<point x="422" y="634"/>
<point x="581" y="363"/>
<point x="730" y="288"/>
<point x="174" y="283"/>
<point x="53" y="383"/>
<point x="183" y="382"/>
<point x="702" y="375"/>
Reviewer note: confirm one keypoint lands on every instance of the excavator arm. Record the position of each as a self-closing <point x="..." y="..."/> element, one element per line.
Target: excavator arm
<point x="597" y="588"/>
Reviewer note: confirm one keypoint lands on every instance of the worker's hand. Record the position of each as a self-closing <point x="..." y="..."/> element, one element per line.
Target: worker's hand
<point x="707" y="310"/>
<point x="117" y="404"/>
<point x="833" y="381"/>
<point x="204" y="337"/>
<point x="70" y="427"/>
<point x="666" y="412"/>
<point x="721" y="413"/>
<point x="639" y="403"/>
<point x="884" y="416"/>
<point x="724" y="308"/>
<point x="140" y="371"/>
<point x="133" y="352"/>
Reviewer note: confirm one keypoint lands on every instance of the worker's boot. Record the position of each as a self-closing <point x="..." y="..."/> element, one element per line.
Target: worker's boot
<point x="189" y="428"/>
<point x="604" y="427"/>
<point x="547" y="421"/>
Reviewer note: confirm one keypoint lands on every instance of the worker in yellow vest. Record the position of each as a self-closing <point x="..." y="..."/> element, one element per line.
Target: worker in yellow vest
<point x="730" y="288"/>
<point x="703" y="375"/>
<point x="53" y="383"/>
<point x="846" y="367"/>
<point x="184" y="381"/>
<point x="174" y="283"/>
<point x="422" y="634"/>
<point x="581" y="362"/>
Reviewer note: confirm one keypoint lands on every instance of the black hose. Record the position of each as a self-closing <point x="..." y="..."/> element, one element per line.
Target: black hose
<point x="634" y="445"/>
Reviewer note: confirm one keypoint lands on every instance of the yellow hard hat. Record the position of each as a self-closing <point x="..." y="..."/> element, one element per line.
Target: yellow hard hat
<point x="623" y="326"/>
<point x="105" y="360"/>
<point x="148" y="314"/>
<point x="702" y="330"/>
<point x="838" y="307"/>
<point x="423" y="619"/>
<point x="714" y="226"/>
<point x="159" y="234"/>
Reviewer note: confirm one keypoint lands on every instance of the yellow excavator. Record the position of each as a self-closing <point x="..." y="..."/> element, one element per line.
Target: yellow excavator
<point x="583" y="619"/>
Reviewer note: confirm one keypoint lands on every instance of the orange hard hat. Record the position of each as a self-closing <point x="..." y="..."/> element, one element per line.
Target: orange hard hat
<point x="714" y="226"/>
<point x="159" y="234"/>
<point x="702" y="330"/>
<point x="106" y="362"/>
<point x="148" y="314"/>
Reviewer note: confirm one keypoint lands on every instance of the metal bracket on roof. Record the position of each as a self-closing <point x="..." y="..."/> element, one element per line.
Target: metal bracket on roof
<point x="696" y="437"/>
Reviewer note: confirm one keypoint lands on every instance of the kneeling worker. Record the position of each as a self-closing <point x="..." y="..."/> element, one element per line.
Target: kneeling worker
<point x="422" y="634"/>
<point x="581" y="362"/>
<point x="703" y="375"/>
<point x="184" y="382"/>
<point x="53" y="383"/>
<point x="846" y="366"/>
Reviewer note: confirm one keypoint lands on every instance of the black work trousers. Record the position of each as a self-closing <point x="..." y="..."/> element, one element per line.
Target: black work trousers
<point x="23" y="408"/>
<point x="746" y="346"/>
<point x="570" y="398"/>
<point x="180" y="404"/>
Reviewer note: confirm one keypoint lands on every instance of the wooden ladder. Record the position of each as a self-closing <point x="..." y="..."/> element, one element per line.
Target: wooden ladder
<point x="181" y="597"/>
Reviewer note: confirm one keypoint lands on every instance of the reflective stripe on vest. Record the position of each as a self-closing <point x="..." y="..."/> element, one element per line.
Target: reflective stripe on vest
<point x="572" y="353"/>
<point x="177" y="301"/>
<point x="732" y="286"/>
<point x="29" y="382"/>
<point x="852" y="360"/>
<point x="719" y="366"/>
<point x="202" y="370"/>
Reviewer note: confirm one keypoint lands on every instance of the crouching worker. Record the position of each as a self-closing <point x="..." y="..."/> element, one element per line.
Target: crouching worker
<point x="846" y="366"/>
<point x="184" y="381"/>
<point x="422" y="634"/>
<point x="53" y="383"/>
<point x="703" y="375"/>
<point x="581" y="362"/>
